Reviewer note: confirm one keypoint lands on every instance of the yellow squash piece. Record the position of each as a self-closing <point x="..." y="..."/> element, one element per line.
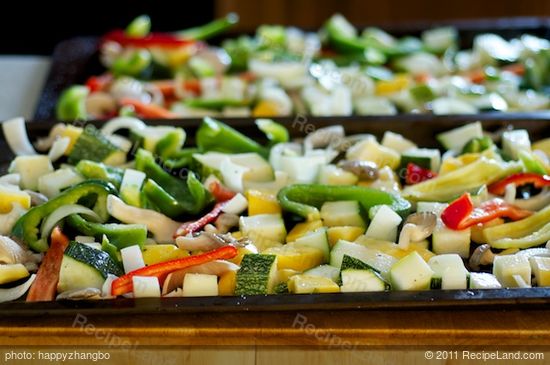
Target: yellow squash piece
<point x="346" y="233"/>
<point x="262" y="203"/>
<point x="12" y="272"/>
<point x="241" y="251"/>
<point x="72" y="133"/>
<point x="394" y="250"/>
<point x="226" y="284"/>
<point x="153" y="254"/>
<point x="10" y="195"/>
<point x="305" y="284"/>
<point x="388" y="87"/>
<point x="298" y="258"/>
<point x="266" y="108"/>
<point x="285" y="274"/>
<point x="542" y="145"/>
<point x="301" y="229"/>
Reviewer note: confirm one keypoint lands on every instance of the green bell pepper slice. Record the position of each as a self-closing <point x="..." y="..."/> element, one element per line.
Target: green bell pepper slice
<point x="190" y="195"/>
<point x="217" y="136"/>
<point x="72" y="104"/>
<point x="27" y="226"/>
<point x="119" y="235"/>
<point x="100" y="171"/>
<point x="211" y="29"/>
<point x="306" y="199"/>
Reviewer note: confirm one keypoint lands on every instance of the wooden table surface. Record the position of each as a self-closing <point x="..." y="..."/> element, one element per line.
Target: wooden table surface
<point x="254" y="338"/>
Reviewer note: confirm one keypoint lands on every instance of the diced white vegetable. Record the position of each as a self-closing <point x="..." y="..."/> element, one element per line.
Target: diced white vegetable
<point x="132" y="258"/>
<point x="59" y="147"/>
<point x="51" y="184"/>
<point x="200" y="285"/>
<point x="232" y="174"/>
<point x="411" y="273"/>
<point x="236" y="205"/>
<point x="515" y="141"/>
<point x="448" y="105"/>
<point x="11" y="179"/>
<point x="483" y="280"/>
<point x="505" y="267"/>
<point x="31" y="168"/>
<point x="342" y="213"/>
<point x="146" y="287"/>
<point x="451" y="270"/>
<point x="259" y="227"/>
<point x="540" y="266"/>
<point x="302" y="169"/>
<point x="130" y="188"/>
<point x="384" y="224"/>
<point x="16" y="136"/>
<point x="397" y="142"/>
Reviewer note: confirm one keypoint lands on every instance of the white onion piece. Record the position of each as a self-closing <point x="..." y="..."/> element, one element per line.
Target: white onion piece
<point x="115" y="124"/>
<point x="10" y="179"/>
<point x="156" y="96"/>
<point x="123" y="143"/>
<point x="17" y="138"/>
<point x="510" y="193"/>
<point x="62" y="212"/>
<point x="158" y="224"/>
<point x="236" y="205"/>
<point x="58" y="148"/>
<point x="107" y="286"/>
<point x="7" y="295"/>
<point x="217" y="267"/>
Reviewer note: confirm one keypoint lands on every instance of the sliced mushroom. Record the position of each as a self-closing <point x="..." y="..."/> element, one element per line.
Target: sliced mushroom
<point x="80" y="294"/>
<point x="206" y="241"/>
<point x="12" y="252"/>
<point x="175" y="279"/>
<point x="364" y="170"/>
<point x="226" y="221"/>
<point x="418" y="226"/>
<point x="99" y="104"/>
<point x="481" y="256"/>
<point x="348" y="141"/>
<point x="44" y="144"/>
<point x="324" y="137"/>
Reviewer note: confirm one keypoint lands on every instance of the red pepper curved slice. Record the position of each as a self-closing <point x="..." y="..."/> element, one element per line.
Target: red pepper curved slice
<point x="220" y="192"/>
<point x="44" y="286"/>
<point x="416" y="174"/>
<point x="124" y="284"/>
<point x="522" y="178"/>
<point x="461" y="214"/>
<point x="192" y="227"/>
<point x="164" y="40"/>
<point x="99" y="83"/>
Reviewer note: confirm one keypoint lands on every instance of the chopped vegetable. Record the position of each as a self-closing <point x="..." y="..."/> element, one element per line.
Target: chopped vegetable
<point x="461" y="213"/>
<point x="124" y="283"/>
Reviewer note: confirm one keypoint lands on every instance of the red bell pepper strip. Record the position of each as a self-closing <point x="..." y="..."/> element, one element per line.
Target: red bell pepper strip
<point x="148" y="110"/>
<point x="124" y="284"/>
<point x="416" y="174"/>
<point x="461" y="213"/>
<point x="522" y="178"/>
<point x="168" y="87"/>
<point x="192" y="227"/>
<point x="220" y="192"/>
<point x="99" y="83"/>
<point x="44" y="286"/>
<point x="164" y="40"/>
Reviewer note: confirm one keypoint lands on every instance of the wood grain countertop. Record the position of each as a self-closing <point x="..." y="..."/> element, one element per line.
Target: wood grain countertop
<point x="307" y="328"/>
